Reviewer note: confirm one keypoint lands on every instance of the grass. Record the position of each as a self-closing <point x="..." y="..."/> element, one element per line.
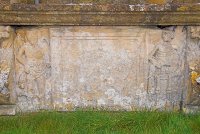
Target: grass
<point x="101" y="122"/>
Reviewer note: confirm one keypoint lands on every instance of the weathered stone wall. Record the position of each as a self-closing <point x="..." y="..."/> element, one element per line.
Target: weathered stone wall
<point x="116" y="68"/>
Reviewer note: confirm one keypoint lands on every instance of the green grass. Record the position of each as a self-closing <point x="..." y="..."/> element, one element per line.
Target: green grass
<point x="101" y="122"/>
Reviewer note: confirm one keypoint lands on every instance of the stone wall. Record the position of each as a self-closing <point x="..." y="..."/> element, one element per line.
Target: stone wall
<point x="115" y="68"/>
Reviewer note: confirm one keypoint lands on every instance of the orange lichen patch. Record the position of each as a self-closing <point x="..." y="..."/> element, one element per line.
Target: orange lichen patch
<point x="157" y="1"/>
<point x="194" y="76"/>
<point x="183" y="8"/>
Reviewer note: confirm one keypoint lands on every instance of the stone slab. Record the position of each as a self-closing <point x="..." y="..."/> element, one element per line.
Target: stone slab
<point x="192" y="109"/>
<point x="7" y="109"/>
<point x="116" y="68"/>
<point x="100" y="14"/>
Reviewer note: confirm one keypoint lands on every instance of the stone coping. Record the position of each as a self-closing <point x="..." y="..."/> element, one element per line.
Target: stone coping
<point x="7" y="110"/>
<point x="100" y="14"/>
<point x="90" y="7"/>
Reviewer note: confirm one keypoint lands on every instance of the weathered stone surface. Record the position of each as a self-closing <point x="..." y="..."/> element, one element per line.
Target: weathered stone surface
<point x="63" y="68"/>
<point x="78" y="13"/>
<point x="194" y="66"/>
<point x="121" y="67"/>
<point x="192" y="109"/>
<point x="22" y="1"/>
<point x="4" y="2"/>
<point x="108" y="1"/>
<point x="7" y="109"/>
<point x="116" y="68"/>
<point x="6" y="65"/>
<point x="33" y="69"/>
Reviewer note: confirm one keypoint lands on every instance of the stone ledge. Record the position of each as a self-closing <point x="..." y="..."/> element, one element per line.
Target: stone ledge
<point x="100" y="18"/>
<point x="89" y="7"/>
<point x="7" y="110"/>
<point x="105" y="1"/>
<point x="89" y="14"/>
<point x="192" y="109"/>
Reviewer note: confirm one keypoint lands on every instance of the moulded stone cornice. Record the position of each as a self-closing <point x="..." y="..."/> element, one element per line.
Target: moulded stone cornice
<point x="100" y="14"/>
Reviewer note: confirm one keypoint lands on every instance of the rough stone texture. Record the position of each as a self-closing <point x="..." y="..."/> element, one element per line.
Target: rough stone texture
<point x="101" y="13"/>
<point x="194" y="66"/>
<point x="7" y="110"/>
<point x="107" y="1"/>
<point x="33" y="69"/>
<point x="6" y="65"/>
<point x="4" y="2"/>
<point x="127" y="68"/>
<point x="7" y="88"/>
<point x="115" y="68"/>
<point x="192" y="109"/>
<point x="22" y="1"/>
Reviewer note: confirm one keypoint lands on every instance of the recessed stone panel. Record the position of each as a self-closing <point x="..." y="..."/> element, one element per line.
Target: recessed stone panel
<point x="118" y="67"/>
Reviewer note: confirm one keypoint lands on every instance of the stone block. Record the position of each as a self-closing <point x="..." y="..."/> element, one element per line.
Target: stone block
<point x="7" y="109"/>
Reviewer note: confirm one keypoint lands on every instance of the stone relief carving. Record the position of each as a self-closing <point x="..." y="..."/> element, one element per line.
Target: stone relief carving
<point x="63" y="68"/>
<point x="194" y="92"/>
<point x="114" y="71"/>
<point x="194" y="66"/>
<point x="6" y="61"/>
<point x="161" y="58"/>
<point x="33" y="57"/>
<point x="166" y="64"/>
<point x="98" y="70"/>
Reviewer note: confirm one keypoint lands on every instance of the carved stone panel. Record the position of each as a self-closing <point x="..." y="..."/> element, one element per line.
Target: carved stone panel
<point x="32" y="68"/>
<point x="117" y="68"/>
<point x="6" y="65"/>
<point x="194" y="66"/>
